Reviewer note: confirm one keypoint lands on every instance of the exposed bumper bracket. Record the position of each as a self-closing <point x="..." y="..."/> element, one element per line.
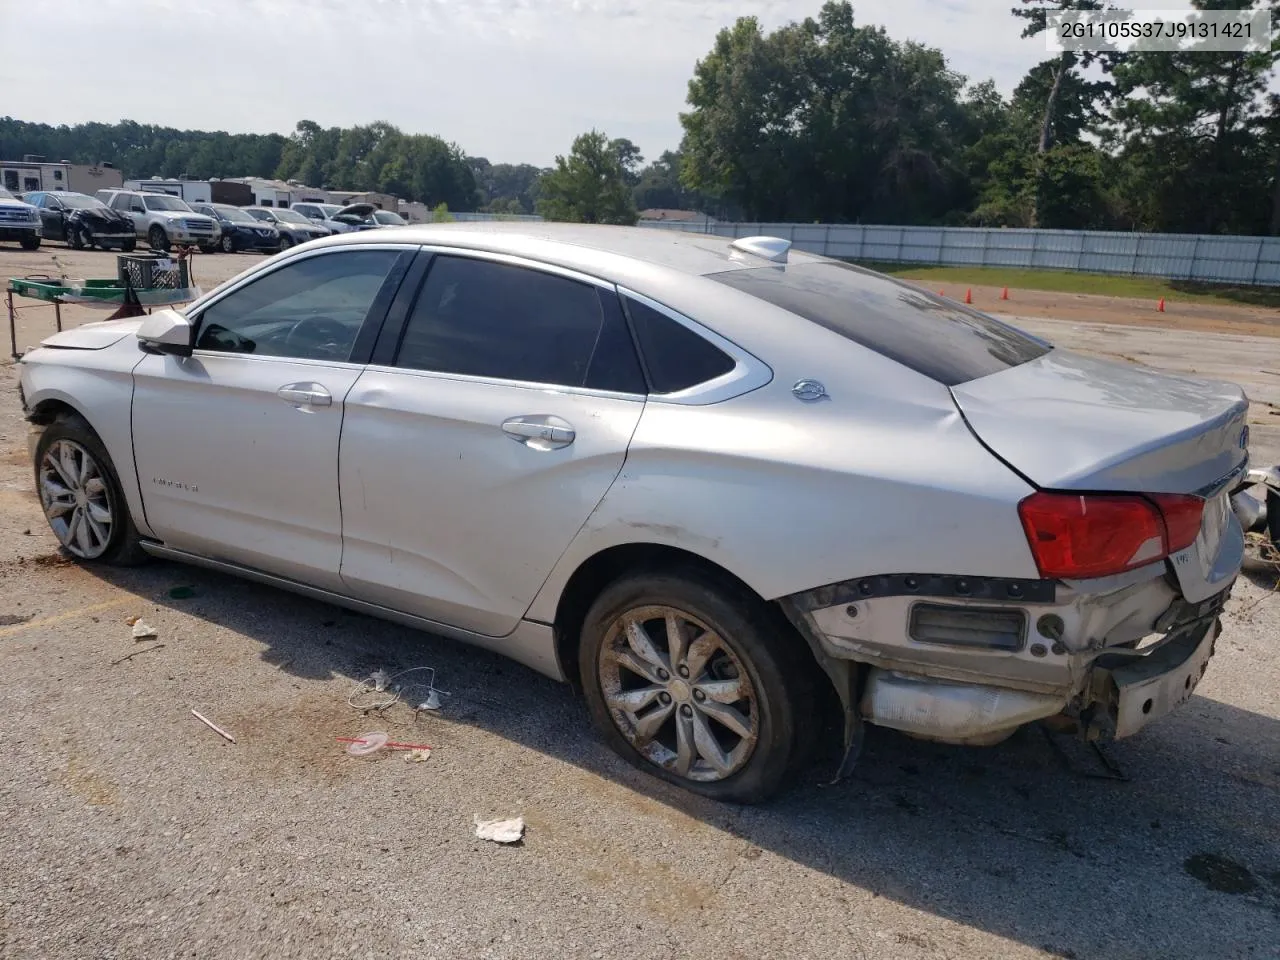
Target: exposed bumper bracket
<point x="846" y="676"/>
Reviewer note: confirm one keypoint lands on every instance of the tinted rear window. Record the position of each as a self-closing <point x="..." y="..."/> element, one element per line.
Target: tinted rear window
<point x="942" y="340"/>
<point x="676" y="357"/>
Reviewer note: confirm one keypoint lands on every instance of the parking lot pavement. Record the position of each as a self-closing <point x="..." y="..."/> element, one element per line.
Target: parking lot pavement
<point x="133" y="830"/>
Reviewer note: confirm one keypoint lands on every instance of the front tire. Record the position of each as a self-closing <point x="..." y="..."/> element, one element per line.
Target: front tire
<point x="285" y="242"/>
<point x="129" y="245"/>
<point x="30" y="243"/>
<point x="74" y="239"/>
<point x="157" y="239"/>
<point x="694" y="679"/>
<point x="228" y="243"/>
<point x="81" y="495"/>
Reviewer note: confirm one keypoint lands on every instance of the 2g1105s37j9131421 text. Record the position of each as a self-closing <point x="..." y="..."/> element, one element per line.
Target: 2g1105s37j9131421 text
<point x="1207" y="31"/>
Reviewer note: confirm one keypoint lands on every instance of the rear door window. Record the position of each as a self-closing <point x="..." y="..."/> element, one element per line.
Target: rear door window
<point x="945" y="341"/>
<point x="484" y="319"/>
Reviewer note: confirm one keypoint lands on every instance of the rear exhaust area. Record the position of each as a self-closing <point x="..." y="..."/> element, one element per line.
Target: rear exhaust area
<point x="967" y="714"/>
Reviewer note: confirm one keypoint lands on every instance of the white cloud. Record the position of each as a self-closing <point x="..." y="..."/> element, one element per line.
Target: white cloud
<point x="512" y="80"/>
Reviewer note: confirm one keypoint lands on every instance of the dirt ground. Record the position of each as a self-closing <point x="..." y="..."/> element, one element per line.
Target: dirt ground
<point x="131" y="830"/>
<point x="1179" y="315"/>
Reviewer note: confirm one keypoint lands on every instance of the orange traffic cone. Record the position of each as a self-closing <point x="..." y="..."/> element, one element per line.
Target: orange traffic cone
<point x="1160" y="305"/>
<point x="968" y="296"/>
<point x="1004" y="294"/>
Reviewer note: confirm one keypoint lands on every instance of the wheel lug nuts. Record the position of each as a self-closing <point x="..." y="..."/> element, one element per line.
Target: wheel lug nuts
<point x="663" y="675"/>
<point x="664" y="698"/>
<point x="699" y="695"/>
<point x="686" y="710"/>
<point x="684" y="671"/>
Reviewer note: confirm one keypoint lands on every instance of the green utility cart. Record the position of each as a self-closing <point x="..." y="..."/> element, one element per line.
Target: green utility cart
<point x="143" y="281"/>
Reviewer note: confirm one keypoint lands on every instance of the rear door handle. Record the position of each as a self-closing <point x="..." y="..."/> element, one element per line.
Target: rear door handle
<point x="541" y="432"/>
<point x="305" y="395"/>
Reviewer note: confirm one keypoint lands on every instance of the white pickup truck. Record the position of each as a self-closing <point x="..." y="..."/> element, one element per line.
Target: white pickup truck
<point x="19" y="221"/>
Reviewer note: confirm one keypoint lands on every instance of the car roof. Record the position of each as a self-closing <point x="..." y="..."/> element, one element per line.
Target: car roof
<point x="582" y="246"/>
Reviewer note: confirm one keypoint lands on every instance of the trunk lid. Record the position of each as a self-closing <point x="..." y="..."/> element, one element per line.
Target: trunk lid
<point x="1071" y="422"/>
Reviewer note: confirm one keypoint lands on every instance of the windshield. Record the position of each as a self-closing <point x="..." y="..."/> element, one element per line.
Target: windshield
<point x="261" y="215"/>
<point x="939" y="338"/>
<point x="166" y="203"/>
<point x="78" y="201"/>
<point x="386" y="216"/>
<point x="234" y="214"/>
<point x="291" y="216"/>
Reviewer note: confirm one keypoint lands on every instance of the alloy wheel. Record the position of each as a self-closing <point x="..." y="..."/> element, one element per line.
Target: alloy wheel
<point x="679" y="693"/>
<point x="76" y="499"/>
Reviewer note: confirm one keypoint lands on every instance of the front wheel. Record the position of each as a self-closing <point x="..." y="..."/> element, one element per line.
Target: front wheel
<point x="228" y="243"/>
<point x="697" y="681"/>
<point x="157" y="239"/>
<point x="30" y="243"/>
<point x="74" y="238"/>
<point x="285" y="242"/>
<point x="129" y="245"/>
<point x="82" y="497"/>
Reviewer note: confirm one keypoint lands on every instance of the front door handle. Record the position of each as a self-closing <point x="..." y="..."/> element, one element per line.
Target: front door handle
<point x="305" y="395"/>
<point x="540" y="432"/>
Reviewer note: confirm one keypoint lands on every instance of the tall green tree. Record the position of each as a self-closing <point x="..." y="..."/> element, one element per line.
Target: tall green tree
<point x="506" y="187"/>
<point x="629" y="158"/>
<point x="1064" y="186"/>
<point x="380" y="157"/>
<point x="589" y="185"/>
<point x="1057" y="79"/>
<point x="825" y="120"/>
<point x="1192" y="131"/>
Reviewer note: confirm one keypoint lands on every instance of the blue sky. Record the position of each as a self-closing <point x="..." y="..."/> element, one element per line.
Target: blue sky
<point x="512" y="80"/>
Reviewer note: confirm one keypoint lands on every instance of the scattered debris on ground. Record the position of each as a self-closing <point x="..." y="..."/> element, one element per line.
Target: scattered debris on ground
<point x="135" y="653"/>
<point x="500" y="831"/>
<point x="212" y="726"/>
<point x="382" y="690"/>
<point x="143" y="630"/>
<point x="418" y="755"/>
<point x="368" y="744"/>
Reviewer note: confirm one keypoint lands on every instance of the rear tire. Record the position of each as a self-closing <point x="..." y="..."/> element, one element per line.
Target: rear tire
<point x="741" y="677"/>
<point x="29" y="243"/>
<point x="157" y="239"/>
<point x="228" y="243"/>
<point x="81" y="495"/>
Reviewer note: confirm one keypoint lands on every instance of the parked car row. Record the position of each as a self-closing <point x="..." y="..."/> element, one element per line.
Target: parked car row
<point x="117" y="219"/>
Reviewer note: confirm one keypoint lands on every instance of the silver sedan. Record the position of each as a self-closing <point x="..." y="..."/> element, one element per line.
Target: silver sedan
<point x="729" y="489"/>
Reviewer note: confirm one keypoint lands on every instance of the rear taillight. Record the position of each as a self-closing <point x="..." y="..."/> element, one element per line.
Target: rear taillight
<point x="1182" y="516"/>
<point x="1078" y="536"/>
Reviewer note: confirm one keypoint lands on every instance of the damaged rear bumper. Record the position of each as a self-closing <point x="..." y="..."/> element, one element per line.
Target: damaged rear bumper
<point x="970" y="660"/>
<point x="1129" y="689"/>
